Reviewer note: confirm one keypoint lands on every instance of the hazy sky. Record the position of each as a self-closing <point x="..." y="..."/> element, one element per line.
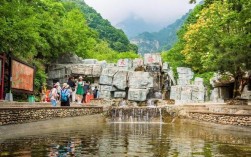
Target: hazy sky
<point x="152" y="11"/>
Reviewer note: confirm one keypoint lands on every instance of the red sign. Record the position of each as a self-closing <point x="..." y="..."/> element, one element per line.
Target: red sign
<point x="122" y="62"/>
<point x="22" y="76"/>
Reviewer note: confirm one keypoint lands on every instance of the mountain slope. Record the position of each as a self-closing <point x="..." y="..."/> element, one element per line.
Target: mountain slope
<point x="116" y="38"/>
<point x="132" y="26"/>
<point x="158" y="41"/>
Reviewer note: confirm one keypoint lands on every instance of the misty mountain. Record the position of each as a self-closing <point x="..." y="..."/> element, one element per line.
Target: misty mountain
<point x="158" y="41"/>
<point x="132" y="26"/>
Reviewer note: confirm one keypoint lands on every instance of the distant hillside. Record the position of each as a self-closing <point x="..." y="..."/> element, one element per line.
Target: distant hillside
<point x="158" y="41"/>
<point x="134" y="26"/>
<point x="116" y="38"/>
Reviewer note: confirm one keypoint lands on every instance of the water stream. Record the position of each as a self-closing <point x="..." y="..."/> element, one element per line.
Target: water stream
<point x="92" y="137"/>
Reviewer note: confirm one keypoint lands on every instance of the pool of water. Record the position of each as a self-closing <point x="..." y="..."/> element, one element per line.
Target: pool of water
<point x="90" y="138"/>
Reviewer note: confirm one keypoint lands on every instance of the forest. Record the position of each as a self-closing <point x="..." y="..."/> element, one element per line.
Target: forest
<point x="38" y="31"/>
<point x="216" y="37"/>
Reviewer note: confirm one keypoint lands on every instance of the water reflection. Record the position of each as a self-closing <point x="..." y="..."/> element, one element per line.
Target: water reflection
<point x="131" y="139"/>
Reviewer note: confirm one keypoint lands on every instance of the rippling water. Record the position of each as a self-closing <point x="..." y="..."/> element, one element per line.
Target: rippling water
<point x="90" y="138"/>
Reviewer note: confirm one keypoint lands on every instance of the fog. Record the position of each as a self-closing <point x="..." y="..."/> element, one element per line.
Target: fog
<point x="152" y="11"/>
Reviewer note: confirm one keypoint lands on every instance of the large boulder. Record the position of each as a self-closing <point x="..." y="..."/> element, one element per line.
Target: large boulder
<point x="119" y="94"/>
<point x="198" y="81"/>
<point x="56" y="73"/>
<point x="183" y="82"/>
<point x="105" y="80"/>
<point x="137" y="62"/>
<point x="140" y="80"/>
<point x="152" y="59"/>
<point x="175" y="92"/>
<point x="165" y="67"/>
<point x="110" y="71"/>
<point x="137" y="94"/>
<point x="198" y="93"/>
<point x="69" y="58"/>
<point x="82" y="69"/>
<point x="105" y="94"/>
<point x="185" y="73"/>
<point x="186" y="93"/>
<point x="120" y="80"/>
<point x="106" y="88"/>
<point x="125" y="64"/>
<point x="96" y="70"/>
<point x="90" y="61"/>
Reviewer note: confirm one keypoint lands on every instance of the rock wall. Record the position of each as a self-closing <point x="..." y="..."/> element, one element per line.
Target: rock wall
<point x="125" y="80"/>
<point x="24" y="115"/>
<point x="185" y="91"/>
<point x="221" y="118"/>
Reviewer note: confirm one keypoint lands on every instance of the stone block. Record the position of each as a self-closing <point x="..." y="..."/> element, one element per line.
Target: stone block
<point x="186" y="93"/>
<point x="175" y="92"/>
<point x="120" y="80"/>
<point x="110" y="65"/>
<point x="246" y="94"/>
<point x="56" y="73"/>
<point x="152" y="59"/>
<point x="198" y="96"/>
<point x="102" y="63"/>
<point x="96" y="71"/>
<point x="88" y="70"/>
<point x="119" y="94"/>
<point x="138" y="62"/>
<point x="198" y="81"/>
<point x="165" y="66"/>
<point x="183" y="76"/>
<point x="107" y="88"/>
<point x="105" y="94"/>
<point x="109" y="71"/>
<point x="140" y="80"/>
<point x="82" y="69"/>
<point x="137" y="94"/>
<point x="105" y="80"/>
<point x="183" y="82"/>
<point x="125" y="63"/>
<point x="185" y="73"/>
<point x="182" y="70"/>
<point x="90" y="61"/>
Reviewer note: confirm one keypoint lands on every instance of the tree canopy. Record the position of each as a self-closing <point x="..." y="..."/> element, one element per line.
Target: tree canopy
<point x="38" y="31"/>
<point x="215" y="38"/>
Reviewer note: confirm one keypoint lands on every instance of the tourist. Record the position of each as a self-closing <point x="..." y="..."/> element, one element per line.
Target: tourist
<point x="58" y="90"/>
<point x="43" y="94"/>
<point x="72" y="85"/>
<point x="65" y="95"/>
<point x="86" y="88"/>
<point x="54" y="95"/>
<point x="95" y="92"/>
<point x="80" y="90"/>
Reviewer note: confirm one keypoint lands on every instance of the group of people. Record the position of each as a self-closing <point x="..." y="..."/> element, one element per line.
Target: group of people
<point x="72" y="91"/>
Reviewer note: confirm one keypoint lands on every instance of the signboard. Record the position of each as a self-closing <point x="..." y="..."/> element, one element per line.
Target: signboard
<point x="152" y="59"/>
<point x="138" y="62"/>
<point x="22" y="77"/>
<point x="123" y="63"/>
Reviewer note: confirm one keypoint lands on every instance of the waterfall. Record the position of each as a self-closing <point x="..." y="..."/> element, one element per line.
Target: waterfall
<point x="136" y="115"/>
<point x="160" y="115"/>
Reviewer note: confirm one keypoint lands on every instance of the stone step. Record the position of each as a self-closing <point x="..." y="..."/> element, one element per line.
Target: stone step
<point x="201" y="110"/>
<point x="192" y="106"/>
